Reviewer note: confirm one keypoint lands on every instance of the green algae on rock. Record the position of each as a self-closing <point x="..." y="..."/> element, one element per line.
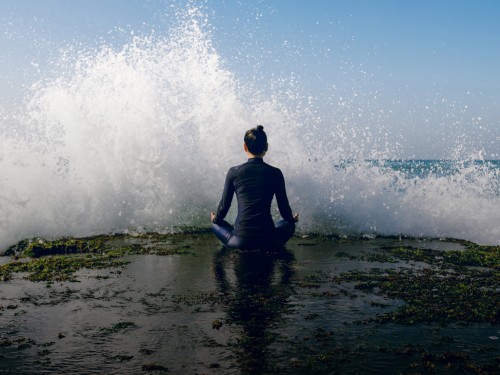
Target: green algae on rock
<point x="58" y="267"/>
<point x="452" y="289"/>
<point x="38" y="247"/>
<point x="118" y="327"/>
<point x="58" y="260"/>
<point x="441" y="297"/>
<point x="451" y="286"/>
<point x="150" y="367"/>
<point x="473" y="255"/>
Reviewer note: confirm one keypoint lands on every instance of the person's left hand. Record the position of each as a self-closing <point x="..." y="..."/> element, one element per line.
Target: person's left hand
<point x="212" y="216"/>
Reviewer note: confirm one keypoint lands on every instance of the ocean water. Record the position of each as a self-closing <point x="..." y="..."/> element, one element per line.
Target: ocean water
<point x="139" y="137"/>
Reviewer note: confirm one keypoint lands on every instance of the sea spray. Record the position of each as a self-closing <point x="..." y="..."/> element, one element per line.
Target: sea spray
<point x="460" y="202"/>
<point x="139" y="138"/>
<point x="136" y="138"/>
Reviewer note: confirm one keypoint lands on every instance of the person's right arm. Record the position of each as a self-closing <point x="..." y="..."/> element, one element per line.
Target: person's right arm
<point x="282" y="200"/>
<point x="227" y="197"/>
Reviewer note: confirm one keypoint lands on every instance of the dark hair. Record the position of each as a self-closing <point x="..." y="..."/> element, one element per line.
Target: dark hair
<point x="256" y="140"/>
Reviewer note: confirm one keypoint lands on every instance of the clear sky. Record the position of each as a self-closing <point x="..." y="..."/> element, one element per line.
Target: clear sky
<point x="431" y="66"/>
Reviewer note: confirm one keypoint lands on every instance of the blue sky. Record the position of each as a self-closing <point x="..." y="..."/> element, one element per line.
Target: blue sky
<point x="433" y="64"/>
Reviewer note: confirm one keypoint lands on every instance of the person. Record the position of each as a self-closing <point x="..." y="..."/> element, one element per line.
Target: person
<point x="255" y="184"/>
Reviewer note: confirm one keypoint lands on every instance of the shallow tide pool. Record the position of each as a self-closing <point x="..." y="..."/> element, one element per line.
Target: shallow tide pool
<point x="214" y="311"/>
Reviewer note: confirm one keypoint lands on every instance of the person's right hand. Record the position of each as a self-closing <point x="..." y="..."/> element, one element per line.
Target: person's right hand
<point x="296" y="217"/>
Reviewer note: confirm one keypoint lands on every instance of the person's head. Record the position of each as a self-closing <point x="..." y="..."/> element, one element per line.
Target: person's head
<point x="256" y="141"/>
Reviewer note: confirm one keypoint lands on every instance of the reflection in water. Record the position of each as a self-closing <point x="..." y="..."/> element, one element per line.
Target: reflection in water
<point x="256" y="299"/>
<point x="280" y="314"/>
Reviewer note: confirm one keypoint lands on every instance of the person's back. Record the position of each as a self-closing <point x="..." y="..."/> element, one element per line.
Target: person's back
<point x="255" y="184"/>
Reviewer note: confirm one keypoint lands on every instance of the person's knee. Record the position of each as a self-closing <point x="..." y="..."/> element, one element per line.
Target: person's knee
<point x="287" y="227"/>
<point x="284" y="232"/>
<point x="222" y="232"/>
<point x="216" y="229"/>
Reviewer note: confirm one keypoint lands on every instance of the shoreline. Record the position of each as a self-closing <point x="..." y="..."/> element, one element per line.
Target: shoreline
<point x="192" y="231"/>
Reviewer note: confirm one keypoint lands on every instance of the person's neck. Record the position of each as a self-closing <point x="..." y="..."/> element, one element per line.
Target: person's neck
<point x="252" y="156"/>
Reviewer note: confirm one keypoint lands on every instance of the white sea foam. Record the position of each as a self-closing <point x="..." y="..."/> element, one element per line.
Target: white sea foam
<point x="368" y="199"/>
<point x="140" y="137"/>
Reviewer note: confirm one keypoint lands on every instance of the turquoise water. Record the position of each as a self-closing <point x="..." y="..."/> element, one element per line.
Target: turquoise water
<point x="426" y="168"/>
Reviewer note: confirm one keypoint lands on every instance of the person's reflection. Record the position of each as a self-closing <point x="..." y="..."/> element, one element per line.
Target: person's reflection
<point x="256" y="301"/>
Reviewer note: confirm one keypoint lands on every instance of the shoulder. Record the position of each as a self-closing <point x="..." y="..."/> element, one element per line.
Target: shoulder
<point x="272" y="167"/>
<point x="233" y="170"/>
<point x="236" y="167"/>
<point x="274" y="170"/>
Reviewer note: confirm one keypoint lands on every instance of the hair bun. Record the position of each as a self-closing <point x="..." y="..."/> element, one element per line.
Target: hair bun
<point x="260" y="128"/>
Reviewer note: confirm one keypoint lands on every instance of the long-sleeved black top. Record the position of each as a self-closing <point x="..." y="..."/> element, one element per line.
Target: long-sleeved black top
<point x="255" y="184"/>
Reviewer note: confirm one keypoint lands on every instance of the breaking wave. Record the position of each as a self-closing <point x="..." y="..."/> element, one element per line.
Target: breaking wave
<point x="138" y="138"/>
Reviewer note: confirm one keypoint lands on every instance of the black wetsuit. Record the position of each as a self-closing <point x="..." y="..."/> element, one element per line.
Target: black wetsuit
<point x="255" y="184"/>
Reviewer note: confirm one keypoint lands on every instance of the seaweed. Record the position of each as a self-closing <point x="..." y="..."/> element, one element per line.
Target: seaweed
<point x="40" y="248"/>
<point x="431" y="296"/>
<point x="59" y="268"/>
<point x="453" y="289"/>
<point x="118" y="327"/>
<point x="149" y="367"/>
<point x="58" y="260"/>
